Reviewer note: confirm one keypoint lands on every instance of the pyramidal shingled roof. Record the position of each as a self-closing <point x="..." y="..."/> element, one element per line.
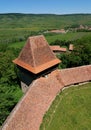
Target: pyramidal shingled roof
<point x="36" y="55"/>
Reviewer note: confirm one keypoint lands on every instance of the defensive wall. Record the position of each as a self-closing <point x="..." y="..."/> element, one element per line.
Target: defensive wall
<point x="29" y="112"/>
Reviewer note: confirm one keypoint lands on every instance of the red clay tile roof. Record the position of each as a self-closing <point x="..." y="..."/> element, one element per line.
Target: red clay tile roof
<point x="28" y="113"/>
<point x="38" y="68"/>
<point x="58" y="48"/>
<point x="75" y="75"/>
<point x="36" y="55"/>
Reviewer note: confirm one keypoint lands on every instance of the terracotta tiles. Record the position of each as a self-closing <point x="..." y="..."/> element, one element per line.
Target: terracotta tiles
<point x="75" y="75"/>
<point x="58" y="48"/>
<point x="36" y="69"/>
<point x="36" y="55"/>
<point x="28" y="113"/>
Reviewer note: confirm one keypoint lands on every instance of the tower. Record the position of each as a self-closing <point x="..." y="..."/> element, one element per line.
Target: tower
<point x="35" y="59"/>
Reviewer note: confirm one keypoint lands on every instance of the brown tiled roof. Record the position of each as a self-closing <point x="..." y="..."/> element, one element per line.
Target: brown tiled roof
<point x="75" y="75"/>
<point x="36" y="55"/>
<point x="58" y="48"/>
<point x="28" y="113"/>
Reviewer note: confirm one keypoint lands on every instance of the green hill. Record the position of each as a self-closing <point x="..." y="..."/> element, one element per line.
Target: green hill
<point x="16" y="27"/>
<point x="42" y="21"/>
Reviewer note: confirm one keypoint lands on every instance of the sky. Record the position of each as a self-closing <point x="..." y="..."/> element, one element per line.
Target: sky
<point x="45" y="6"/>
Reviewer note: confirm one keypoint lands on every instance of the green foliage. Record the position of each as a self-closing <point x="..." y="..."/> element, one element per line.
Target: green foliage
<point x="68" y="37"/>
<point x="7" y="73"/>
<point x="9" y="96"/>
<point x="14" y="31"/>
<point x="42" y="21"/>
<point x="61" y="43"/>
<point x="17" y="27"/>
<point x="75" y="26"/>
<point x="70" y="110"/>
<point x="15" y="35"/>
<point x="10" y="91"/>
<point x="81" y="55"/>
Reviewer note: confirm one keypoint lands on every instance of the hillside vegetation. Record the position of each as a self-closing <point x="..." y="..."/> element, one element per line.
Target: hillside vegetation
<point x="14" y="31"/>
<point x="17" y="27"/>
<point x="42" y="21"/>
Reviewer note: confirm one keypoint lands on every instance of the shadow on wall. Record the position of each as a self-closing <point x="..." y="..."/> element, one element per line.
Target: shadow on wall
<point x="26" y="77"/>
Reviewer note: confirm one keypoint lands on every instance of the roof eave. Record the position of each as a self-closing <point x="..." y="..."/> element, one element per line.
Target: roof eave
<point x="37" y="69"/>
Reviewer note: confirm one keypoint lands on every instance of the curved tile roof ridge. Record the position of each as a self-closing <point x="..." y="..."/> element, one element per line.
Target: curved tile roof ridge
<point x="75" y="75"/>
<point x="28" y="113"/>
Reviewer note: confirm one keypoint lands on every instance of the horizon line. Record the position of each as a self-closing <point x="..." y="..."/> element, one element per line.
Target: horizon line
<point x="46" y="13"/>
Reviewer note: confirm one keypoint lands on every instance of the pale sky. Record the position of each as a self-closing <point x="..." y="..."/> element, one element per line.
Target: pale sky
<point x="45" y="6"/>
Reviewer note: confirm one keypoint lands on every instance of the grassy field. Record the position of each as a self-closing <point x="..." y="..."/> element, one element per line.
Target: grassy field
<point x="42" y="21"/>
<point x="51" y="38"/>
<point x="70" y="36"/>
<point x="17" y="27"/>
<point x="71" y="110"/>
<point x="17" y="44"/>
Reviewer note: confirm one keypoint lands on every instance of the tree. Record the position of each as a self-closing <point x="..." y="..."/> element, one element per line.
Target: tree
<point x="81" y="55"/>
<point x="10" y="91"/>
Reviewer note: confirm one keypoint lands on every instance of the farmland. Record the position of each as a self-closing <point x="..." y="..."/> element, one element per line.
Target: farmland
<point x="70" y="110"/>
<point x="36" y="22"/>
<point x="67" y="37"/>
<point x="14" y="31"/>
<point x="51" y="38"/>
<point x="18" y="27"/>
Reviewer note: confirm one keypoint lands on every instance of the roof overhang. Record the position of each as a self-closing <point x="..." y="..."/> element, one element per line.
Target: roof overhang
<point x="37" y="69"/>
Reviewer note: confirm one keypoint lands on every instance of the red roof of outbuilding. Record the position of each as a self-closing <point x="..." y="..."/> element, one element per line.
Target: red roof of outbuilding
<point x="58" y="48"/>
<point x="36" y="55"/>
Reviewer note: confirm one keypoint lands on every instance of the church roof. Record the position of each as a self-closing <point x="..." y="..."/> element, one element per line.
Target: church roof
<point x="36" y="55"/>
